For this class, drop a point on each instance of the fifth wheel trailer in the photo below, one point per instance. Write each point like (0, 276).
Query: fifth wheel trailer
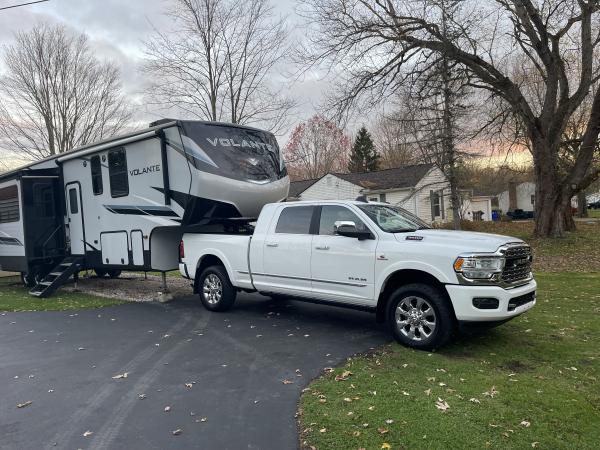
(121, 204)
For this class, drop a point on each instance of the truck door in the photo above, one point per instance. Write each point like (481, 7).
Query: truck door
(75, 219)
(287, 249)
(342, 267)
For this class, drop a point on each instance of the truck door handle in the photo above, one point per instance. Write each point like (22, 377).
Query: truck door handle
(272, 244)
(322, 247)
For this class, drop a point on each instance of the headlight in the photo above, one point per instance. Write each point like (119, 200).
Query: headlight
(479, 267)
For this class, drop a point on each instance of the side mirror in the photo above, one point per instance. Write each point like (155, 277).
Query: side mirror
(348, 229)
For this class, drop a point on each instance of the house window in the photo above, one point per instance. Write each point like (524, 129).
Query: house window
(382, 198)
(9, 204)
(533, 199)
(436, 204)
(96, 168)
(117, 173)
(295, 220)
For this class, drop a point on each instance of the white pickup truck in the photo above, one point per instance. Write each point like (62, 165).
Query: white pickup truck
(423, 282)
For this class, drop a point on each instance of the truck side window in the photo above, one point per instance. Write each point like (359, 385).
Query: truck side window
(332, 214)
(295, 220)
(96, 175)
(117, 173)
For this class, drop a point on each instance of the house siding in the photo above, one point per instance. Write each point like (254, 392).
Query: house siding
(416, 200)
(524, 193)
(331, 187)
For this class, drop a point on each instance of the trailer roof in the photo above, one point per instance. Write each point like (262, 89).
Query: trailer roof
(155, 126)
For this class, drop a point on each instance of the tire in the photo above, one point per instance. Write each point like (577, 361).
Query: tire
(420, 317)
(114, 273)
(215, 290)
(100, 273)
(28, 279)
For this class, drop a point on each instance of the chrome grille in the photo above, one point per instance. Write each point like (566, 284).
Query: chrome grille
(518, 263)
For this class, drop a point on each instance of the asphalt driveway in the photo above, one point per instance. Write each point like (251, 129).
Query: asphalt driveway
(224, 378)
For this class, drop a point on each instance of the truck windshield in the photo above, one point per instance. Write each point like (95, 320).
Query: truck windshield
(236, 152)
(391, 219)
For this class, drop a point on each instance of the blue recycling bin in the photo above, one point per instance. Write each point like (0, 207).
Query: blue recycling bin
(495, 216)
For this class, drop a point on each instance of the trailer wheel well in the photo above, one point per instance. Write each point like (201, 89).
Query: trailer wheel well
(401, 278)
(206, 261)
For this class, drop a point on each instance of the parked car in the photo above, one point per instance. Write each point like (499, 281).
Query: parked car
(594, 205)
(424, 282)
(519, 214)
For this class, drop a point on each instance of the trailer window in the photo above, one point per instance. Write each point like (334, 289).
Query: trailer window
(9, 204)
(96, 175)
(117, 173)
(295, 220)
(74, 205)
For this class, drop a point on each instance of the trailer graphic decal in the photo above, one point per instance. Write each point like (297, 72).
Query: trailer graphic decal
(160, 211)
(10, 241)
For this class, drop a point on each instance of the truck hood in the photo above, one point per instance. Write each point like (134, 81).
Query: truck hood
(463, 241)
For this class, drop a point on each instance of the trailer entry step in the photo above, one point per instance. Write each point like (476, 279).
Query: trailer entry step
(57, 277)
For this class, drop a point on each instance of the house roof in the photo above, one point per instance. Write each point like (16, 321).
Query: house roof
(397, 178)
(298, 187)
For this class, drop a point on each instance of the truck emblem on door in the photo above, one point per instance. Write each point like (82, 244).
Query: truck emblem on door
(357, 279)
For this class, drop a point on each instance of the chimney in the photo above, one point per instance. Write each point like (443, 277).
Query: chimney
(512, 196)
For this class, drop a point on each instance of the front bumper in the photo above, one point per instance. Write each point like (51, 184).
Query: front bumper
(462, 301)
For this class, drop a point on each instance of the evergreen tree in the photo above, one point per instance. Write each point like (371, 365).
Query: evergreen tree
(364, 156)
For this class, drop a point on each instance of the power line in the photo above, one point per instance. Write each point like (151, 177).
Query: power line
(23, 4)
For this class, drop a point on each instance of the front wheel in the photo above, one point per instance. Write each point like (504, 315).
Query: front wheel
(216, 291)
(420, 317)
(115, 273)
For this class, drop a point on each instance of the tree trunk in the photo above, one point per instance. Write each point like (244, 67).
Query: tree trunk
(553, 216)
(582, 204)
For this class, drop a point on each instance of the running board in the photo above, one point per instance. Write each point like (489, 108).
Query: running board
(57, 277)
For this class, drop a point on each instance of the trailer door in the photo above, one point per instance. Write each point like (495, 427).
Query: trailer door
(75, 219)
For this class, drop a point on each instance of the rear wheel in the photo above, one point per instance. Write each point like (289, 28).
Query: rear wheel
(420, 317)
(100, 273)
(114, 273)
(216, 291)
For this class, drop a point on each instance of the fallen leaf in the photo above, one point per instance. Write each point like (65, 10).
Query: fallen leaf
(356, 433)
(371, 408)
(386, 446)
(141, 396)
(427, 392)
(474, 400)
(287, 382)
(176, 432)
(347, 399)
(441, 405)
(204, 419)
(344, 376)
(323, 430)
(389, 421)
(188, 385)
(23, 405)
(534, 444)
(88, 433)
(121, 375)
(167, 408)
(525, 423)
(383, 430)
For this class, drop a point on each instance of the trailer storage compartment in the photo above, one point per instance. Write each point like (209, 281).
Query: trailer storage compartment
(115, 247)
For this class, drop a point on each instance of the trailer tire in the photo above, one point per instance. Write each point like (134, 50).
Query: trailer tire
(420, 316)
(215, 290)
(114, 273)
(28, 279)
(100, 273)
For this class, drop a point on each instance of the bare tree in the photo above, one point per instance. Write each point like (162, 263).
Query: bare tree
(219, 60)
(315, 148)
(393, 141)
(56, 95)
(376, 42)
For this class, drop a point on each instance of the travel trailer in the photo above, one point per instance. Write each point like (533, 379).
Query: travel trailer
(123, 203)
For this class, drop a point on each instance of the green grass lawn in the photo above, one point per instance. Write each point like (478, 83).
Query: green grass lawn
(14, 297)
(533, 382)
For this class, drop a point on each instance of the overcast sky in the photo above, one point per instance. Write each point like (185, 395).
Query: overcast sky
(117, 29)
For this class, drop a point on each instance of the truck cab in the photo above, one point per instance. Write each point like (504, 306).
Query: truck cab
(423, 282)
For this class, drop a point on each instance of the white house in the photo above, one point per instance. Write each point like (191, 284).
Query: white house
(518, 196)
(422, 189)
